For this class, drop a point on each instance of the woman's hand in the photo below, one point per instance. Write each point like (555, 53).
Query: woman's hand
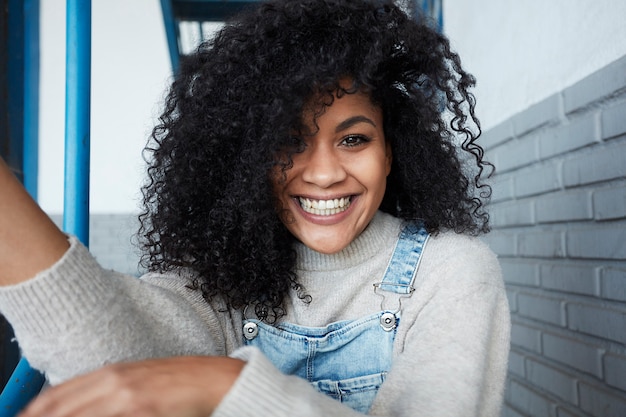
(169, 387)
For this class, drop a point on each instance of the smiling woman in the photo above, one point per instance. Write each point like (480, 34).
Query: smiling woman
(337, 181)
(313, 198)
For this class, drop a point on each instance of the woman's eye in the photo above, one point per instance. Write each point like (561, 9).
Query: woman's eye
(354, 140)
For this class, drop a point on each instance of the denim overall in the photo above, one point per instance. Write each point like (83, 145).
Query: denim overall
(346, 360)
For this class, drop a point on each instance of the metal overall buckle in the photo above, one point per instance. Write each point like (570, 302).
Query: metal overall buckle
(389, 319)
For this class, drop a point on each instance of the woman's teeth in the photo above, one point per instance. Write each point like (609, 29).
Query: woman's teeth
(324, 207)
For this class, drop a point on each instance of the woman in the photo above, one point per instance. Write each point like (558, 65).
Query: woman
(313, 187)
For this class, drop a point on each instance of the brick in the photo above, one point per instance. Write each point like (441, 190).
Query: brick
(613, 283)
(563, 206)
(515, 154)
(615, 370)
(601, 163)
(502, 243)
(537, 179)
(501, 188)
(57, 219)
(556, 382)
(562, 412)
(597, 321)
(516, 272)
(596, 86)
(110, 240)
(525, 337)
(574, 353)
(507, 385)
(512, 298)
(507, 411)
(577, 279)
(496, 135)
(529, 400)
(537, 115)
(610, 203)
(598, 242)
(516, 364)
(599, 401)
(577, 133)
(541, 244)
(544, 309)
(613, 121)
(512, 213)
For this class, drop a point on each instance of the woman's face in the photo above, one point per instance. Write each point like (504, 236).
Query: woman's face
(337, 183)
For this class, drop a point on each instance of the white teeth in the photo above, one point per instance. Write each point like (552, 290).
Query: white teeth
(324, 207)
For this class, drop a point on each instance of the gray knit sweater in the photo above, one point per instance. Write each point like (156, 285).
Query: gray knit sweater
(450, 352)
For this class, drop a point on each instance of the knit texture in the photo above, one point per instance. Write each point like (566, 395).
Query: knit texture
(450, 351)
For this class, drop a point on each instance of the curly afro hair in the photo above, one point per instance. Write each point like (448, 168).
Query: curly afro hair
(208, 202)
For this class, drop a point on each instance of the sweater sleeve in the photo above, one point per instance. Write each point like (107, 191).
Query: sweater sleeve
(451, 357)
(262, 390)
(76, 317)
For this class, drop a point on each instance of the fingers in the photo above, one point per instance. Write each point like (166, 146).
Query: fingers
(101, 393)
(171, 387)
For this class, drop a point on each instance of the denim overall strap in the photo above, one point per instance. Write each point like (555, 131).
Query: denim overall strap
(346, 360)
(402, 268)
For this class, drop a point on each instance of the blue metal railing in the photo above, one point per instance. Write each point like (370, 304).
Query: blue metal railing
(77, 120)
(199, 11)
(171, 32)
(30, 164)
(434, 10)
(26, 382)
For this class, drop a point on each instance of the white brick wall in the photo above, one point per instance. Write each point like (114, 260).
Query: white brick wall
(111, 239)
(559, 228)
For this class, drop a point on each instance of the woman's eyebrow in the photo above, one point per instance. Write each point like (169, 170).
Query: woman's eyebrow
(352, 121)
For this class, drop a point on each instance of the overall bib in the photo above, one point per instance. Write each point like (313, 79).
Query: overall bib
(346, 360)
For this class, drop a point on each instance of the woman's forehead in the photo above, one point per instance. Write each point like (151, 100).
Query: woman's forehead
(338, 107)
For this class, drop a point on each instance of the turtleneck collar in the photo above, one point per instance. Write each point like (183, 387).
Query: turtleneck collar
(382, 230)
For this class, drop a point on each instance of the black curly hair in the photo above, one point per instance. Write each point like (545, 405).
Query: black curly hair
(232, 108)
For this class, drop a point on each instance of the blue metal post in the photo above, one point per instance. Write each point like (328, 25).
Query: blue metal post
(14, 48)
(434, 10)
(31, 97)
(12, 97)
(25, 382)
(171, 32)
(24, 385)
(77, 119)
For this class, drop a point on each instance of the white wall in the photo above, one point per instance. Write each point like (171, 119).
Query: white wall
(519, 51)
(130, 71)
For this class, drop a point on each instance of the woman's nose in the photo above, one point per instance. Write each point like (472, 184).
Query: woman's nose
(323, 166)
